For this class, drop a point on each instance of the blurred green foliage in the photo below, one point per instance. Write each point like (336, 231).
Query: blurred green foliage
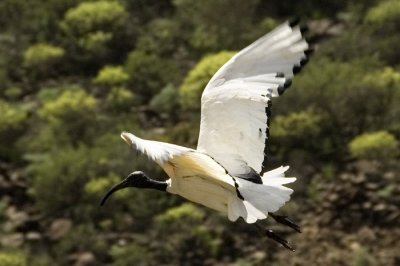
(74, 74)
(303, 125)
(89, 19)
(147, 71)
(120, 99)
(12, 125)
(42, 54)
(12, 259)
(68, 106)
(186, 213)
(131, 254)
(379, 145)
(112, 76)
(385, 11)
(191, 236)
(167, 100)
(208, 31)
(93, 31)
(11, 116)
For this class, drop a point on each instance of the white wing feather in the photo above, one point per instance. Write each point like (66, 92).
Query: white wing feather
(236, 102)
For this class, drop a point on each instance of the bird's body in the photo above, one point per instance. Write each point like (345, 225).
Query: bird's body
(227, 171)
(198, 177)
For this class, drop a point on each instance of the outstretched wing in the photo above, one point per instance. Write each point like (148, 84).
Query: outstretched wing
(235, 105)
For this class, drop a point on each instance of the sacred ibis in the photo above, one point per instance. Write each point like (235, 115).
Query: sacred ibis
(228, 170)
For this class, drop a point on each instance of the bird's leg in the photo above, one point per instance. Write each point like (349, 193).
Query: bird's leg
(282, 219)
(269, 233)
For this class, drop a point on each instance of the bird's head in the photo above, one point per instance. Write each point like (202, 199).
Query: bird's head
(134, 179)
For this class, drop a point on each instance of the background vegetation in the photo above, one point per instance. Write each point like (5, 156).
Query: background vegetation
(74, 74)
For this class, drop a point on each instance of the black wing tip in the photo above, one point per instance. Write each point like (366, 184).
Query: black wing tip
(287, 83)
(282, 88)
(303, 61)
(296, 69)
(280, 75)
(294, 21)
(298, 21)
(304, 28)
(309, 51)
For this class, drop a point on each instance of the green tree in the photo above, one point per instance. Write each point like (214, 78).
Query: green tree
(42, 59)
(149, 73)
(167, 100)
(13, 121)
(131, 254)
(94, 30)
(379, 145)
(12, 259)
(182, 229)
(208, 31)
(384, 12)
(111, 76)
(42, 53)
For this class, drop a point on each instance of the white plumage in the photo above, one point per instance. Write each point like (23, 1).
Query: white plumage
(227, 171)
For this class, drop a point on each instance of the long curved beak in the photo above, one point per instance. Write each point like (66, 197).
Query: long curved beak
(123, 184)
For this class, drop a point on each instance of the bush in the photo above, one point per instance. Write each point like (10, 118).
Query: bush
(301, 125)
(111, 76)
(162, 37)
(196, 80)
(384, 11)
(59, 177)
(184, 236)
(186, 213)
(384, 78)
(379, 145)
(90, 17)
(12, 125)
(296, 132)
(166, 101)
(149, 73)
(120, 99)
(207, 31)
(82, 236)
(95, 42)
(100, 185)
(71, 104)
(131, 254)
(97, 27)
(41, 54)
(11, 117)
(70, 116)
(12, 259)
(343, 91)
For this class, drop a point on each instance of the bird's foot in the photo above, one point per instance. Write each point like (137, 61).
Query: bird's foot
(278, 239)
(271, 234)
(282, 219)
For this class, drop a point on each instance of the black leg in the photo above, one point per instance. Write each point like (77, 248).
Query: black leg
(286, 221)
(269, 233)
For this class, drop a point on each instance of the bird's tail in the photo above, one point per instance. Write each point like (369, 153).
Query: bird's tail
(260, 199)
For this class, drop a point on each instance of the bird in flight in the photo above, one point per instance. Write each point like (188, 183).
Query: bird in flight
(228, 170)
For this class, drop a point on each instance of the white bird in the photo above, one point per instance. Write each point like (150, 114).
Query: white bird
(227, 171)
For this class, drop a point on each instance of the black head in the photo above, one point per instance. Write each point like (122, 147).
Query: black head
(135, 179)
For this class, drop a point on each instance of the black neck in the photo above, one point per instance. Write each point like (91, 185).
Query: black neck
(154, 184)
